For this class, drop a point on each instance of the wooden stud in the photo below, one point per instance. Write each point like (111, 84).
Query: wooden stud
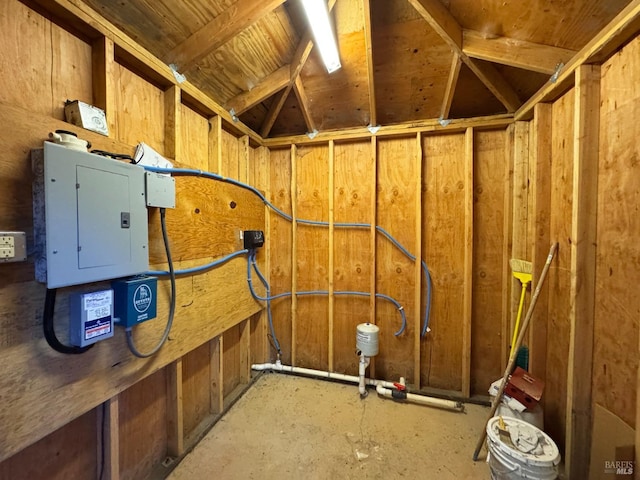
(173, 115)
(219, 31)
(400, 129)
(447, 27)
(215, 144)
(245, 351)
(540, 237)
(108, 429)
(583, 269)
(372, 239)
(456, 63)
(468, 263)
(366, 8)
(175, 417)
(216, 375)
(104, 79)
(294, 251)
(303, 100)
(507, 245)
(331, 250)
(269, 85)
(417, 302)
(515, 53)
(622, 28)
(520, 212)
(243, 159)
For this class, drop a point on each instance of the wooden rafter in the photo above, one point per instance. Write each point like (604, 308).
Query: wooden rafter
(301, 95)
(441, 20)
(271, 84)
(373, 117)
(274, 111)
(220, 30)
(299, 59)
(515, 53)
(456, 64)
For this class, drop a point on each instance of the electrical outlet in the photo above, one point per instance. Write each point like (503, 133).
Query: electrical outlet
(13, 247)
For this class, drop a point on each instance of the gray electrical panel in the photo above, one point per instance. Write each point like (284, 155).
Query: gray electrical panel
(90, 217)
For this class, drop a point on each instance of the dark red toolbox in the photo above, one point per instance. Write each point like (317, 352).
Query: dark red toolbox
(524, 388)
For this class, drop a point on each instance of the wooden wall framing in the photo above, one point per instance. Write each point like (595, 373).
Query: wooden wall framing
(132, 413)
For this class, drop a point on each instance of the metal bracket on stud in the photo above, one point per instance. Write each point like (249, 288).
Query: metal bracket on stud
(180, 78)
(556, 73)
(444, 121)
(373, 129)
(234, 117)
(313, 134)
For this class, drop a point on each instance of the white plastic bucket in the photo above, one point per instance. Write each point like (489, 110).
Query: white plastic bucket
(539, 461)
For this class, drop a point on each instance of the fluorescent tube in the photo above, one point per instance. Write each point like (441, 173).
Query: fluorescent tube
(318, 17)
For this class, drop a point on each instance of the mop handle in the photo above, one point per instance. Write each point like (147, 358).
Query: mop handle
(514, 349)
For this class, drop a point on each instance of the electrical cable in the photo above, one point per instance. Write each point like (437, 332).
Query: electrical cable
(172, 306)
(251, 261)
(274, 337)
(201, 268)
(49, 332)
(387, 235)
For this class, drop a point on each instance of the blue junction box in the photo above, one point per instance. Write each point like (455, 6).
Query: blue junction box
(134, 300)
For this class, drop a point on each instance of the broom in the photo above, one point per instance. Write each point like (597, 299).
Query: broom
(523, 271)
(512, 357)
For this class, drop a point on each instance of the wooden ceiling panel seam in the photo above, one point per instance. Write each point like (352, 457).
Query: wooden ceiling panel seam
(220, 30)
(443, 22)
(515, 53)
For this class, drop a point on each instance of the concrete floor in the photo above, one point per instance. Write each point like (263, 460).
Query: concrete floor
(291, 427)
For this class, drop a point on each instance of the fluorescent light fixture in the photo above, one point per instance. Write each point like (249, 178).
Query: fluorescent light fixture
(318, 17)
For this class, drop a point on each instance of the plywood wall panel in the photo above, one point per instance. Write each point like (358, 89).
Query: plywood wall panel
(42, 65)
(70, 452)
(396, 191)
(559, 277)
(488, 288)
(443, 249)
(140, 111)
(280, 251)
(231, 359)
(194, 135)
(354, 189)
(231, 149)
(195, 387)
(143, 428)
(617, 312)
(312, 256)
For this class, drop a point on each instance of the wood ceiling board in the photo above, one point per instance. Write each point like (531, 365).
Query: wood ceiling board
(219, 31)
(243, 62)
(565, 24)
(254, 117)
(389, 13)
(472, 98)
(340, 99)
(412, 65)
(348, 16)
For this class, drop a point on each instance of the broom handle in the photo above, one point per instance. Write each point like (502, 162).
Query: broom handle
(514, 349)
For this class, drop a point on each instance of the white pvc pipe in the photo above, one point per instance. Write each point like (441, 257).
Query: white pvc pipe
(383, 387)
(420, 399)
(364, 363)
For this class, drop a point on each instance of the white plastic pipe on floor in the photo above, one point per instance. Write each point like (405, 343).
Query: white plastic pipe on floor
(384, 388)
(362, 385)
